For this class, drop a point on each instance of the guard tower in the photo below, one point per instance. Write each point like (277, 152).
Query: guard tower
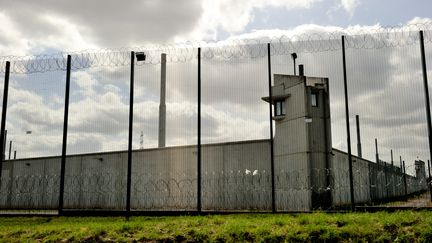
(302, 141)
(420, 169)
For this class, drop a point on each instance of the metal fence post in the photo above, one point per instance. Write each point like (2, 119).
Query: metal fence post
(385, 179)
(10, 149)
(4, 144)
(273, 193)
(426, 91)
(429, 170)
(129, 165)
(351, 180)
(65, 128)
(3, 118)
(199, 206)
(400, 159)
(430, 180)
(404, 177)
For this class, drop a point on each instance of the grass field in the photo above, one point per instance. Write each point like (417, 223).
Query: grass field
(406, 226)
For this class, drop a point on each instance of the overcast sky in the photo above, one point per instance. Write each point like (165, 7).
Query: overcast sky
(99, 96)
(34, 27)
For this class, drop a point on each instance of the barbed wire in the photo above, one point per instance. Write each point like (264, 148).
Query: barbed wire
(356, 38)
(229, 190)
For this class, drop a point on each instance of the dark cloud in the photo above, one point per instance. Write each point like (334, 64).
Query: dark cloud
(111, 23)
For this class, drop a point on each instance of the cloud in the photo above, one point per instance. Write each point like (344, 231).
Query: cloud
(81, 24)
(47, 26)
(384, 82)
(11, 40)
(86, 83)
(384, 87)
(234, 16)
(350, 5)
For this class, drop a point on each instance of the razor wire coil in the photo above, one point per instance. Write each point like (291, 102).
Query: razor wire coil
(380, 37)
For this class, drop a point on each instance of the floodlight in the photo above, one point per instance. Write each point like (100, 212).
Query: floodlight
(140, 56)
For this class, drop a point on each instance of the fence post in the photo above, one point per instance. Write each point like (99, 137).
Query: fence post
(10, 149)
(273, 193)
(65, 128)
(426, 90)
(400, 158)
(385, 179)
(199, 206)
(429, 168)
(351, 180)
(405, 182)
(430, 180)
(129, 165)
(3, 118)
(4, 143)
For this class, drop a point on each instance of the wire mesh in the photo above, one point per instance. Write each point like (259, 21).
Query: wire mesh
(235, 130)
(308, 42)
(96, 163)
(305, 134)
(386, 90)
(164, 163)
(428, 56)
(33, 142)
(3, 173)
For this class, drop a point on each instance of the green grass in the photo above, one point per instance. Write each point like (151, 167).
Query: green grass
(406, 226)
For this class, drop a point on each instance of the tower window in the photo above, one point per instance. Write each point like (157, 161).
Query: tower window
(314, 99)
(279, 107)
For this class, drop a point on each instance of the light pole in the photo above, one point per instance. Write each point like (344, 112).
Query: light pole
(140, 56)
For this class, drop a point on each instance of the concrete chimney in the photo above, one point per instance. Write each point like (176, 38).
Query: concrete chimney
(359, 148)
(376, 152)
(162, 106)
(301, 70)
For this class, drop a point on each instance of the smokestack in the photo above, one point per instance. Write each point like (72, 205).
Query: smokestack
(359, 149)
(400, 157)
(376, 151)
(294, 57)
(301, 70)
(10, 149)
(162, 106)
(391, 154)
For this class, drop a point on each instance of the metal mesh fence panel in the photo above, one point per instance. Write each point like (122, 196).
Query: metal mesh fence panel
(305, 110)
(428, 55)
(305, 172)
(236, 172)
(386, 90)
(164, 165)
(96, 165)
(2, 79)
(4, 173)
(33, 143)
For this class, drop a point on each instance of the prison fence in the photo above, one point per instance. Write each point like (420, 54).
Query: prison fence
(196, 128)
